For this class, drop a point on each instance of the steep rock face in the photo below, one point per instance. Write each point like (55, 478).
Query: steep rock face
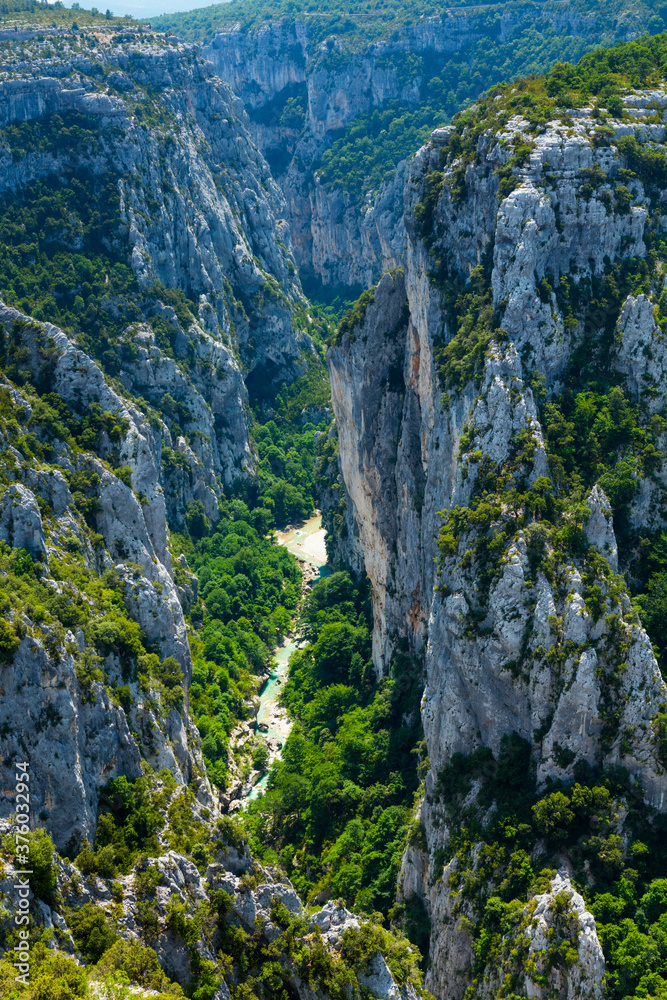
(555, 917)
(212, 393)
(80, 744)
(192, 207)
(353, 246)
(255, 66)
(509, 643)
(52, 704)
(398, 430)
(587, 974)
(208, 201)
(269, 64)
(264, 67)
(198, 208)
(368, 409)
(644, 369)
(21, 522)
(131, 529)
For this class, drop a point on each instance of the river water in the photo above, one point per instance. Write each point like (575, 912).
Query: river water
(307, 544)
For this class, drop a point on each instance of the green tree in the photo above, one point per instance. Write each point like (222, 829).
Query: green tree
(43, 880)
(59, 978)
(553, 815)
(91, 931)
(196, 520)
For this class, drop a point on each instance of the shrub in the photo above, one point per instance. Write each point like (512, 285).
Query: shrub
(139, 963)
(43, 880)
(359, 946)
(9, 641)
(260, 757)
(106, 862)
(91, 931)
(229, 832)
(354, 317)
(196, 520)
(117, 634)
(59, 978)
(654, 901)
(169, 674)
(553, 815)
(86, 860)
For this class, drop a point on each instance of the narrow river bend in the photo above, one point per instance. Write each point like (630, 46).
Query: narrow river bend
(307, 544)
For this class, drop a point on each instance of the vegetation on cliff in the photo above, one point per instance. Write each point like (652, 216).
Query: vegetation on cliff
(506, 843)
(357, 23)
(430, 87)
(506, 838)
(339, 805)
(40, 14)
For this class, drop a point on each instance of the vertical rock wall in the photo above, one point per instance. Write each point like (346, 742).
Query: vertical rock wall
(507, 646)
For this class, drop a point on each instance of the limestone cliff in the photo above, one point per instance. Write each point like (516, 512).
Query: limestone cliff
(331, 239)
(334, 75)
(197, 208)
(110, 436)
(80, 520)
(448, 457)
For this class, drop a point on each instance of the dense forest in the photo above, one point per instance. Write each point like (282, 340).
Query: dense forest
(361, 23)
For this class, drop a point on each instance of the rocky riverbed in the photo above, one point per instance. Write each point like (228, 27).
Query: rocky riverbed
(271, 722)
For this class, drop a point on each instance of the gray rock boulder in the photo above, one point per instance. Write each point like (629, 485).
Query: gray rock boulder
(599, 527)
(21, 522)
(561, 913)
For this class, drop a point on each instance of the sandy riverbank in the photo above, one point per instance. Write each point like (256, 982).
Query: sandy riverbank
(306, 541)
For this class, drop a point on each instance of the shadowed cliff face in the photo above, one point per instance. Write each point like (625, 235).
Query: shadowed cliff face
(197, 201)
(502, 583)
(332, 240)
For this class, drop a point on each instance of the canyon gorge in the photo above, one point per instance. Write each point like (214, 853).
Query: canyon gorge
(255, 266)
